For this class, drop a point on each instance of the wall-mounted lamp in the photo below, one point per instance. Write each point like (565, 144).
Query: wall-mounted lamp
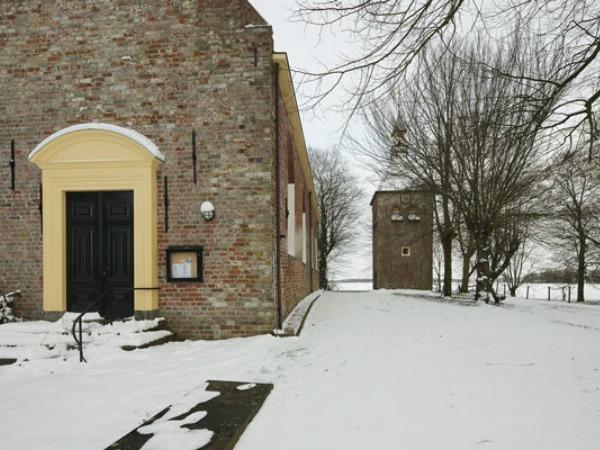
(207, 210)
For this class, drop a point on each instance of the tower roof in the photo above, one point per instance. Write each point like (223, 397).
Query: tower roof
(399, 125)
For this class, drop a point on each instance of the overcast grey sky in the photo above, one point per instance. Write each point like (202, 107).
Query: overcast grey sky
(305, 51)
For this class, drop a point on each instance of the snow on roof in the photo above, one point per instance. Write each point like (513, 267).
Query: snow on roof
(127, 132)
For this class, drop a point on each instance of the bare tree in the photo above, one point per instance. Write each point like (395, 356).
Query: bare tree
(390, 34)
(506, 250)
(471, 140)
(337, 194)
(576, 219)
(520, 267)
(500, 153)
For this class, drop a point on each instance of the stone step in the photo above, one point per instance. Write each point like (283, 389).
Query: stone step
(42, 340)
(160, 340)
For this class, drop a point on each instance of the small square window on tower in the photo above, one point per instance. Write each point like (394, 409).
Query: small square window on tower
(405, 251)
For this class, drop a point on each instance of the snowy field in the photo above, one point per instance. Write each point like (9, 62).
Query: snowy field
(540, 291)
(536, 290)
(375, 370)
(353, 285)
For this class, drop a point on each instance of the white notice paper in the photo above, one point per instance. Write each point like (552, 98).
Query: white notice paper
(183, 270)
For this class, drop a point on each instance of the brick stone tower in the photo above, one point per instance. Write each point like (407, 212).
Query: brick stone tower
(402, 239)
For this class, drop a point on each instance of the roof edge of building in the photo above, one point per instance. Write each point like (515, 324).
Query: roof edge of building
(392, 191)
(288, 95)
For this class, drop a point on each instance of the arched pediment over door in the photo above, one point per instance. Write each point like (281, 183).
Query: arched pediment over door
(98, 157)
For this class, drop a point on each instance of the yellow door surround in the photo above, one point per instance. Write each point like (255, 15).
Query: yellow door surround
(98, 157)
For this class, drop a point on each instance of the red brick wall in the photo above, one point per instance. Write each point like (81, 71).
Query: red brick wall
(162, 68)
(21, 240)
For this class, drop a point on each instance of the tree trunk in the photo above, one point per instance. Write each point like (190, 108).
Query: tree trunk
(448, 228)
(483, 270)
(466, 269)
(513, 291)
(323, 244)
(447, 249)
(478, 273)
(581, 269)
(323, 271)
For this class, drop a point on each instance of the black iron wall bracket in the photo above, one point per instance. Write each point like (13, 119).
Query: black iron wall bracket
(166, 202)
(12, 163)
(41, 206)
(194, 156)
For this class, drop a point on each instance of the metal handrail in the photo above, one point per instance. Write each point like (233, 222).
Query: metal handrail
(12, 294)
(79, 319)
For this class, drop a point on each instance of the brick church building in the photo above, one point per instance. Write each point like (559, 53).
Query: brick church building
(154, 154)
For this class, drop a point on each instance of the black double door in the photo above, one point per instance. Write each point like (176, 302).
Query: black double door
(100, 252)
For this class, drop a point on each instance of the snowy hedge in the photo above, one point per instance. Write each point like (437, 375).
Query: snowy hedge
(6, 313)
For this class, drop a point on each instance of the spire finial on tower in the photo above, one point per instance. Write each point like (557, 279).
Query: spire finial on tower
(399, 144)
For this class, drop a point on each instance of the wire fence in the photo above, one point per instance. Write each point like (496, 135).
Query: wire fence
(555, 291)
(543, 291)
(537, 291)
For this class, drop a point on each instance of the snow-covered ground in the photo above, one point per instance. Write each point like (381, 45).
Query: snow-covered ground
(376, 370)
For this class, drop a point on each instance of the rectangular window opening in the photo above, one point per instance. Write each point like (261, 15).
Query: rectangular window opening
(304, 238)
(291, 223)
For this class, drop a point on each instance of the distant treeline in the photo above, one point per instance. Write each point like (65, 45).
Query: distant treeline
(561, 276)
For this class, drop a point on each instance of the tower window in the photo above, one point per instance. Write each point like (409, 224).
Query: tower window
(405, 251)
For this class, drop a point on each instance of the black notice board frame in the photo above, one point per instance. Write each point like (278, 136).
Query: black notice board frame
(172, 252)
